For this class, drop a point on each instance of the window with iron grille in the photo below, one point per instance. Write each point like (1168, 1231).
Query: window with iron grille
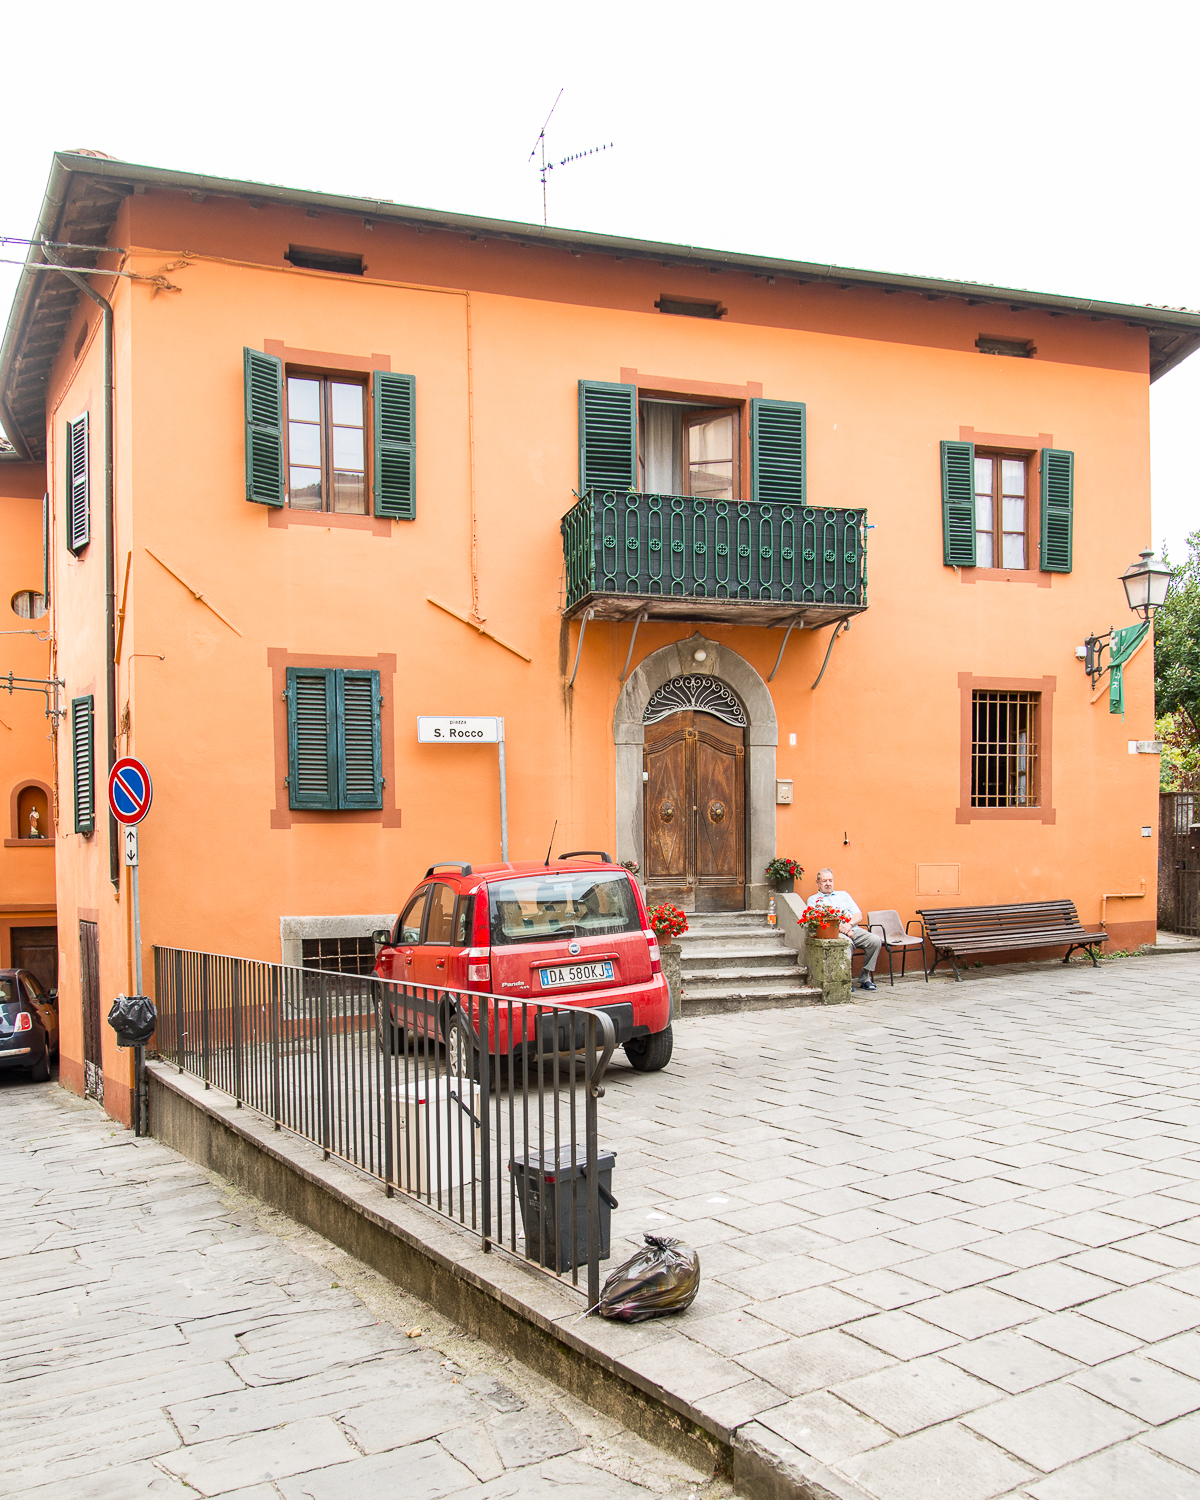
(339, 955)
(1004, 749)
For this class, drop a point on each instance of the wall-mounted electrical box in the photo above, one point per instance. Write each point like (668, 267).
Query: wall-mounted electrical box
(783, 793)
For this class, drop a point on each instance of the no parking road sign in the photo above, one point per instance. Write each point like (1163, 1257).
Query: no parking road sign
(130, 790)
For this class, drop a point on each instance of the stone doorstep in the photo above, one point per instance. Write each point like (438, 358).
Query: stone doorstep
(777, 976)
(722, 1002)
(736, 953)
(494, 1294)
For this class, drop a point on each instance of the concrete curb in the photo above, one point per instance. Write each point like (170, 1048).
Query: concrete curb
(493, 1295)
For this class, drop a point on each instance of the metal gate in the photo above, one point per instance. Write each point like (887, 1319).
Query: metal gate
(1179, 862)
(89, 974)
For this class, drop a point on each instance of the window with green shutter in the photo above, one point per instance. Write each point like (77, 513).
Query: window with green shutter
(334, 745)
(607, 436)
(958, 504)
(1058, 508)
(83, 761)
(264, 427)
(778, 467)
(395, 398)
(79, 508)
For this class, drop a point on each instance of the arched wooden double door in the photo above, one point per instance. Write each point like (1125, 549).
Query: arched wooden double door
(694, 797)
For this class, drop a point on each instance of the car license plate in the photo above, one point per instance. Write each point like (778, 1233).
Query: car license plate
(576, 974)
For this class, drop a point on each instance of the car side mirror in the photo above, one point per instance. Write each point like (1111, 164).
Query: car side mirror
(52, 996)
(382, 938)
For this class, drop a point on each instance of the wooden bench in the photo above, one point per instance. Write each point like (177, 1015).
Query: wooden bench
(956, 930)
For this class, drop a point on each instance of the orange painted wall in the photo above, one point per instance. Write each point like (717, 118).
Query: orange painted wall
(26, 868)
(877, 753)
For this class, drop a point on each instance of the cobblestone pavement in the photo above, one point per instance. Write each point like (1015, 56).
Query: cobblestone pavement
(950, 1235)
(166, 1336)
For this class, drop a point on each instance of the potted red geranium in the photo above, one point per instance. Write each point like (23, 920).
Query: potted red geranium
(667, 921)
(824, 921)
(783, 873)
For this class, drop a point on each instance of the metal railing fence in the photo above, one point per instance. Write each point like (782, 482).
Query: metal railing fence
(481, 1107)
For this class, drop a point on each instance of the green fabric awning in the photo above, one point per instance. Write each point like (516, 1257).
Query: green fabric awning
(1122, 646)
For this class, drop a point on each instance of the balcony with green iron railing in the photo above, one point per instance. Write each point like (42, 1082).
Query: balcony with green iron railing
(681, 557)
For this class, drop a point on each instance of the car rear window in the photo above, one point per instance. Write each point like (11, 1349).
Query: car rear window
(10, 1001)
(562, 904)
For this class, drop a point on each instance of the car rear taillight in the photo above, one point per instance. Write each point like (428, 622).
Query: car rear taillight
(655, 953)
(24, 1022)
(479, 970)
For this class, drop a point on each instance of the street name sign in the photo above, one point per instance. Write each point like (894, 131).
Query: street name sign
(130, 790)
(434, 730)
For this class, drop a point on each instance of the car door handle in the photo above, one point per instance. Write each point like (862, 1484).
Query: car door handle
(441, 963)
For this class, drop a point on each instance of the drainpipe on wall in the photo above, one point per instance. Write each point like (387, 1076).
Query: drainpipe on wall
(110, 569)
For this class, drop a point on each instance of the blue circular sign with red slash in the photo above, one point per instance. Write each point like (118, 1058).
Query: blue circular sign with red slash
(130, 790)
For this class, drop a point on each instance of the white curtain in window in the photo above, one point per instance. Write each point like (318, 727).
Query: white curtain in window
(662, 439)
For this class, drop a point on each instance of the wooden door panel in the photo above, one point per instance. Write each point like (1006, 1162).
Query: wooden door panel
(668, 811)
(718, 807)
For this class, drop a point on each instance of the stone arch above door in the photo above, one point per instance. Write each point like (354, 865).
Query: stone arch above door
(762, 736)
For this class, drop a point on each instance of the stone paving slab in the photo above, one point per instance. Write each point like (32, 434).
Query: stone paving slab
(256, 1361)
(962, 1223)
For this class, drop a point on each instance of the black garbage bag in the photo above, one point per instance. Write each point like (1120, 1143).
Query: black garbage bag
(133, 1018)
(664, 1277)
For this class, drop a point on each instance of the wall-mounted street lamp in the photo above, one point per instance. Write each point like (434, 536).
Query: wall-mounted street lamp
(1146, 583)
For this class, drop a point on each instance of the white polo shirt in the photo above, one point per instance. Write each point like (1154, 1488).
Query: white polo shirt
(843, 900)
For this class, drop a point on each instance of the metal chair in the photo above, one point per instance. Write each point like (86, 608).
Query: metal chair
(897, 938)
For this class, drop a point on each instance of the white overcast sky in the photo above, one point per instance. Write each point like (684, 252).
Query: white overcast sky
(1048, 146)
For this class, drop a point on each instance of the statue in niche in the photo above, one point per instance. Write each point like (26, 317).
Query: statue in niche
(34, 831)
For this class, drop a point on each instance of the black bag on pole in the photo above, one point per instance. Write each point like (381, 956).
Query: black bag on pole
(133, 1018)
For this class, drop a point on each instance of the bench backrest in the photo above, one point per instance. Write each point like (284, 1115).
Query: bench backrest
(974, 921)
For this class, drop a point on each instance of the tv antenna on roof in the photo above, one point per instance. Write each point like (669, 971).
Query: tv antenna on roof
(548, 166)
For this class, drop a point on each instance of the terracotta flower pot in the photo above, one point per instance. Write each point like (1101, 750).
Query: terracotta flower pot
(828, 930)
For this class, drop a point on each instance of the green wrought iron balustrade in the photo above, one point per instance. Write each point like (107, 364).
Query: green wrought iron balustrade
(684, 547)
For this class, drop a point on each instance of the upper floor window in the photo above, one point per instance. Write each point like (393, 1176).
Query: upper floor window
(685, 450)
(326, 427)
(310, 449)
(1001, 513)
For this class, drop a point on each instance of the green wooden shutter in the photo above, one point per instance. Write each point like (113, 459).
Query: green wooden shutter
(607, 436)
(79, 506)
(395, 402)
(958, 504)
(264, 427)
(312, 738)
(778, 467)
(83, 760)
(1058, 509)
(360, 776)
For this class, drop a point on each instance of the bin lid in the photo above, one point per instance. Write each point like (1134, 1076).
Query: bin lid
(550, 1168)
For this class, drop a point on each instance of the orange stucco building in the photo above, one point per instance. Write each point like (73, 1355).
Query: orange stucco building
(344, 438)
(28, 938)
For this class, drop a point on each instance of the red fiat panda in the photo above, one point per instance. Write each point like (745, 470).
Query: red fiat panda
(574, 932)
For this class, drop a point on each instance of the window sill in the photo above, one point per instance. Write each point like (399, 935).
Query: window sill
(1005, 815)
(1006, 575)
(283, 516)
(29, 843)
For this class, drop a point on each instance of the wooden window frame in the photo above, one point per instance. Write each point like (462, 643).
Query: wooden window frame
(969, 685)
(1012, 443)
(331, 364)
(737, 412)
(327, 379)
(998, 455)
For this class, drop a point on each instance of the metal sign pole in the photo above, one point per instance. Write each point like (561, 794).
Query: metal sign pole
(503, 798)
(139, 1053)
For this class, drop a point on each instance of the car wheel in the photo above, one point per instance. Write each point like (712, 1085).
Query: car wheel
(462, 1051)
(650, 1053)
(40, 1072)
(388, 1033)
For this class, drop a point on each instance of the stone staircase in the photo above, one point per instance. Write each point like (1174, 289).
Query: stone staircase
(733, 961)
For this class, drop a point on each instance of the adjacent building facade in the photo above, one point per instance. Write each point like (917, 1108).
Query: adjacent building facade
(751, 557)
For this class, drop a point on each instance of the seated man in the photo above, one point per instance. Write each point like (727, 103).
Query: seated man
(870, 942)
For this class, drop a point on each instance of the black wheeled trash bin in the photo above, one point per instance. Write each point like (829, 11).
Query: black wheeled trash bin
(543, 1189)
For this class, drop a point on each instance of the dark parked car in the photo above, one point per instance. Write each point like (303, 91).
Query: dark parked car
(570, 933)
(28, 1024)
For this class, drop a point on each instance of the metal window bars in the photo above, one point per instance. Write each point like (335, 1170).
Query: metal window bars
(480, 1107)
(1004, 749)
